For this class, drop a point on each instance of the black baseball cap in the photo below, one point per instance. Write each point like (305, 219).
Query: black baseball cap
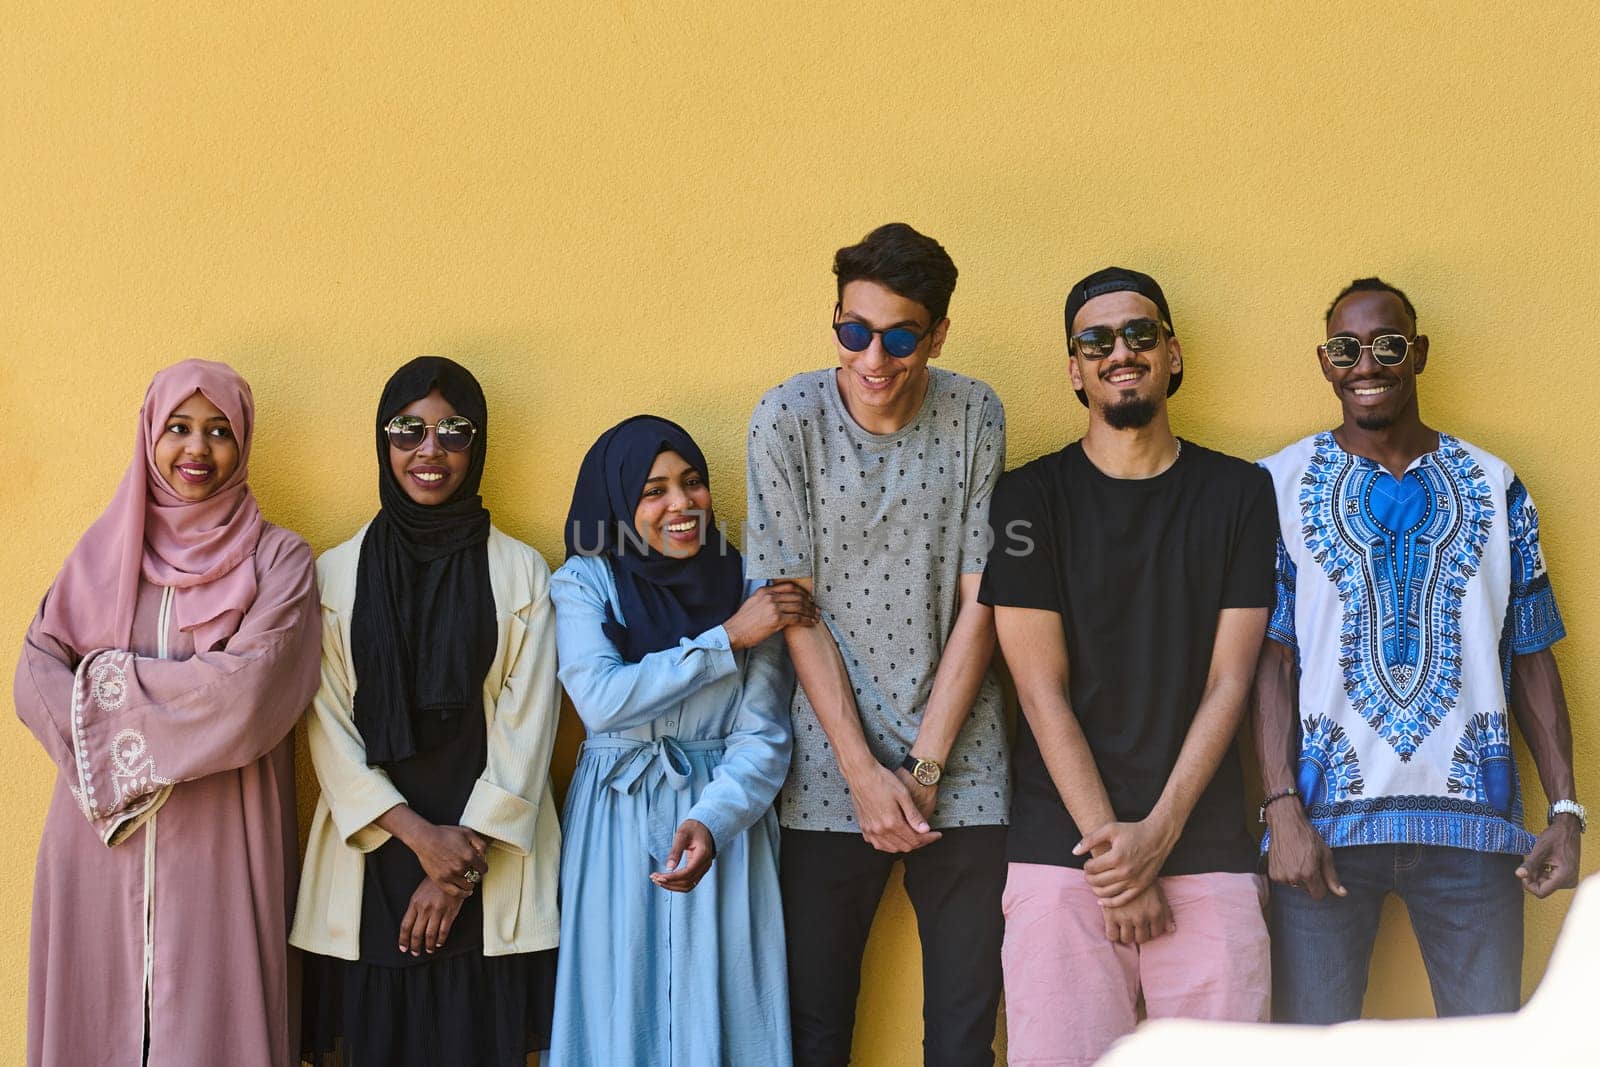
(1119, 280)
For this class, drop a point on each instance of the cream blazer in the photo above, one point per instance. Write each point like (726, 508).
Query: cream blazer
(510, 804)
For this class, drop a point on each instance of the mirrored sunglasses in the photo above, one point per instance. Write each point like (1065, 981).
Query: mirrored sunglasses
(898, 341)
(454, 432)
(1389, 349)
(1097, 342)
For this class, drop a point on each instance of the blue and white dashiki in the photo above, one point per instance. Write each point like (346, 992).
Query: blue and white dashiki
(1405, 602)
(697, 731)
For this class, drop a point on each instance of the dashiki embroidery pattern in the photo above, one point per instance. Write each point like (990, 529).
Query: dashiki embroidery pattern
(1405, 601)
(1403, 551)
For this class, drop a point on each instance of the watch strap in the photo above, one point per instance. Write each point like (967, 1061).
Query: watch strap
(1571, 807)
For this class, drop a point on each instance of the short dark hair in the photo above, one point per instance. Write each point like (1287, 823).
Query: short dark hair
(1371, 285)
(904, 261)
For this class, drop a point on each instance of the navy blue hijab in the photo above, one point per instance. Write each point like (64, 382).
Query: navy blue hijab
(664, 598)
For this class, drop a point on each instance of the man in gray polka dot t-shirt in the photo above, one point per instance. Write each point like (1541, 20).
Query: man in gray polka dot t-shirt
(869, 483)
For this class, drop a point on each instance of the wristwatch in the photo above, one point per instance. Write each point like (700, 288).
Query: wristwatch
(925, 771)
(1571, 807)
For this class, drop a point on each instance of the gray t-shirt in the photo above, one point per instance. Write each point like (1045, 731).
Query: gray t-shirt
(884, 524)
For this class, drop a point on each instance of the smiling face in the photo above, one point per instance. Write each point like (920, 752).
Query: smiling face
(1125, 388)
(1375, 397)
(430, 475)
(882, 392)
(196, 452)
(674, 508)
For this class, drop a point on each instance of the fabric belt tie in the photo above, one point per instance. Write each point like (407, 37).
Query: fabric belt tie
(649, 767)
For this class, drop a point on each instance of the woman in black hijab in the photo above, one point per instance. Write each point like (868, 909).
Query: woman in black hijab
(429, 891)
(671, 925)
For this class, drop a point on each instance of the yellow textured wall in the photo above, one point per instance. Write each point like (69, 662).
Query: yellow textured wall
(608, 208)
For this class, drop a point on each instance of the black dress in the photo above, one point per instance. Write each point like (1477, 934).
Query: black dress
(456, 1006)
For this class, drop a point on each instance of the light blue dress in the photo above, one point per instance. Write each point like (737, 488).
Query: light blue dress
(648, 976)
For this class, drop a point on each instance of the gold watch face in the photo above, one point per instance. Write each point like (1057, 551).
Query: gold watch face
(927, 772)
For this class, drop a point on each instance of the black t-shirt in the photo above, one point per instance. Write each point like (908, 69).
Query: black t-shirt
(1138, 569)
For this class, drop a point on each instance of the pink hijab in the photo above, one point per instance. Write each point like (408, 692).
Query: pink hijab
(201, 548)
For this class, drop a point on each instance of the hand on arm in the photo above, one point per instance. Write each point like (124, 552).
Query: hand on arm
(1540, 707)
(428, 918)
(962, 666)
(1134, 851)
(608, 692)
(888, 817)
(1143, 918)
(445, 852)
(770, 609)
(1297, 855)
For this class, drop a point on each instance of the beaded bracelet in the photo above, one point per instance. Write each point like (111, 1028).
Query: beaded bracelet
(1261, 813)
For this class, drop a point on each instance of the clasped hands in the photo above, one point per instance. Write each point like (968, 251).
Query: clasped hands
(1124, 859)
(893, 808)
(447, 854)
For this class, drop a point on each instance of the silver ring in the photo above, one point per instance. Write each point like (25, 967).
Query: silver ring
(473, 876)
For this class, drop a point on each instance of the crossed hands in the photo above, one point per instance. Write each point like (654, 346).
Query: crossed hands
(447, 854)
(892, 809)
(1125, 858)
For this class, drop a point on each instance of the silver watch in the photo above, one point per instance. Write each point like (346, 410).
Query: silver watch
(1571, 807)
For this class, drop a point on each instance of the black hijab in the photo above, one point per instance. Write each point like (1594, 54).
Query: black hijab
(663, 597)
(423, 633)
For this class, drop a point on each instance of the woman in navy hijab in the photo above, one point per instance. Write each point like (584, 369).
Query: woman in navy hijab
(671, 920)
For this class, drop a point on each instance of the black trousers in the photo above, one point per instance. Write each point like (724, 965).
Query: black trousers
(832, 883)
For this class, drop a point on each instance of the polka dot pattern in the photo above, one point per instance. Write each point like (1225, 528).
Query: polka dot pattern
(885, 525)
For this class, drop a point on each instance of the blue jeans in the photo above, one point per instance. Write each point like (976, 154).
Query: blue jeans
(1465, 908)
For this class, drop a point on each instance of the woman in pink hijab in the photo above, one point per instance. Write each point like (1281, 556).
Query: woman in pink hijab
(164, 674)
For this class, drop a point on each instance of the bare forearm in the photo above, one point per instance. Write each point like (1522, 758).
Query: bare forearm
(1540, 706)
(1235, 654)
(402, 822)
(1070, 762)
(820, 670)
(1273, 717)
(1216, 724)
(962, 667)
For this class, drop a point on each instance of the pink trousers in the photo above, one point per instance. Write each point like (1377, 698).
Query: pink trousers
(1071, 992)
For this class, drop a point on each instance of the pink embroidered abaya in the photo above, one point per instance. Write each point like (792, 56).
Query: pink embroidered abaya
(164, 675)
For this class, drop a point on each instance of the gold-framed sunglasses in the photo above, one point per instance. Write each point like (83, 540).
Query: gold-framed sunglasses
(1389, 349)
(453, 432)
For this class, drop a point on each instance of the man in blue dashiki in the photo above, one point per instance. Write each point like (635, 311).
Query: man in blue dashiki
(1414, 607)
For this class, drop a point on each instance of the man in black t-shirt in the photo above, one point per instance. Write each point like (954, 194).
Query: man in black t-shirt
(1131, 577)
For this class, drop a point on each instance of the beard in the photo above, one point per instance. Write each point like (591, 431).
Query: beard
(1374, 421)
(1130, 413)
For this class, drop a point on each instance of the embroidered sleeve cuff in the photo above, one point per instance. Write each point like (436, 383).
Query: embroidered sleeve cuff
(116, 830)
(503, 815)
(1281, 634)
(1536, 622)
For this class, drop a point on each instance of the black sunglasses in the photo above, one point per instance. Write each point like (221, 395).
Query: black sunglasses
(1389, 349)
(1097, 342)
(453, 432)
(898, 341)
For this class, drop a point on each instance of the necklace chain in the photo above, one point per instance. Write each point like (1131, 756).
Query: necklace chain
(1178, 452)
